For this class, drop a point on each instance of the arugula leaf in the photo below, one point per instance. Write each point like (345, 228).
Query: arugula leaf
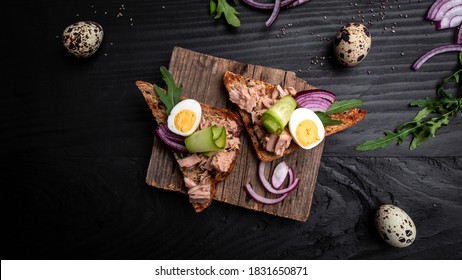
(213, 7)
(421, 128)
(420, 137)
(381, 142)
(337, 107)
(172, 97)
(422, 114)
(223, 7)
(326, 120)
(343, 106)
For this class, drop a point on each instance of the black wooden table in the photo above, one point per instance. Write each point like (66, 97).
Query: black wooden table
(76, 136)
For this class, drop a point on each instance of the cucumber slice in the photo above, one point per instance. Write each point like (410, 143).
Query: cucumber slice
(221, 140)
(212, 138)
(277, 117)
(217, 131)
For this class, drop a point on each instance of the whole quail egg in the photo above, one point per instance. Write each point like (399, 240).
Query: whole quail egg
(83, 38)
(306, 128)
(395, 226)
(185, 117)
(352, 43)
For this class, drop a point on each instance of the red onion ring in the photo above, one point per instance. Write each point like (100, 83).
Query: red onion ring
(315, 100)
(448, 48)
(434, 9)
(258, 198)
(314, 104)
(266, 6)
(291, 176)
(444, 8)
(275, 7)
(274, 13)
(168, 139)
(170, 135)
(297, 3)
(318, 93)
(269, 187)
(279, 174)
(452, 18)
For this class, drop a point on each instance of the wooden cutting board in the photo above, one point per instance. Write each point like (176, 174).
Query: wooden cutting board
(201, 76)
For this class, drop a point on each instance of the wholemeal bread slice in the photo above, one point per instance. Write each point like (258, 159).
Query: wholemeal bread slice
(210, 116)
(233, 81)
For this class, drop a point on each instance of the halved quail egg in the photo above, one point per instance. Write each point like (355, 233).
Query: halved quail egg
(306, 128)
(185, 117)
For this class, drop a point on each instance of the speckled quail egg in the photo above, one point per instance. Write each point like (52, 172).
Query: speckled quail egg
(395, 226)
(306, 128)
(83, 38)
(185, 117)
(352, 43)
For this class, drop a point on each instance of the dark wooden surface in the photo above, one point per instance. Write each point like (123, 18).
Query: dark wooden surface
(201, 76)
(76, 136)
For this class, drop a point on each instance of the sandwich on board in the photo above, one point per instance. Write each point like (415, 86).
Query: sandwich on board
(254, 97)
(208, 154)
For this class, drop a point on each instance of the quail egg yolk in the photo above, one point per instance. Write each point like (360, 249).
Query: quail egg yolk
(184, 120)
(307, 132)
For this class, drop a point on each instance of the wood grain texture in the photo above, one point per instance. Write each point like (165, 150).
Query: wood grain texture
(76, 140)
(201, 76)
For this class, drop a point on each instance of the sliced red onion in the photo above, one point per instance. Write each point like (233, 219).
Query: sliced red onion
(311, 97)
(258, 198)
(275, 7)
(291, 176)
(274, 14)
(171, 144)
(456, 20)
(459, 35)
(297, 3)
(279, 174)
(444, 8)
(170, 135)
(318, 93)
(267, 185)
(267, 6)
(433, 52)
(312, 102)
(452, 18)
(434, 9)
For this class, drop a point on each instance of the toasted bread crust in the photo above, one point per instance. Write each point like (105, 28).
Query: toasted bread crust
(230, 79)
(348, 118)
(158, 109)
(159, 112)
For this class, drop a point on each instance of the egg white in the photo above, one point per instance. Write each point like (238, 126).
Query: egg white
(300, 115)
(187, 104)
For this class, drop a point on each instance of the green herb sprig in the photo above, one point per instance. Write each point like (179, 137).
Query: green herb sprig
(172, 97)
(219, 7)
(435, 113)
(338, 107)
